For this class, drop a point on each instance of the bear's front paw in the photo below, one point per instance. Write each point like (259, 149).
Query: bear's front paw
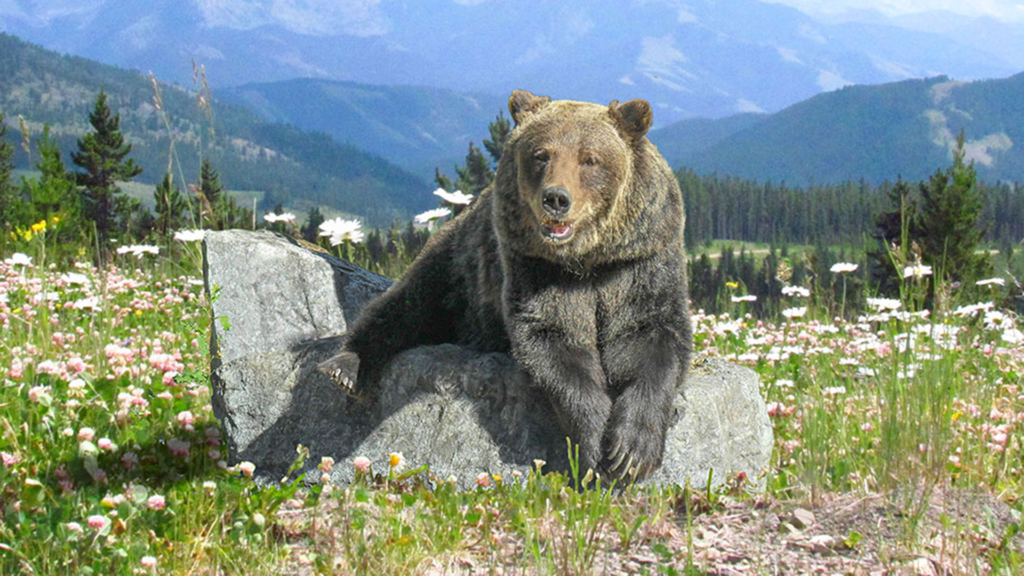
(342, 369)
(634, 447)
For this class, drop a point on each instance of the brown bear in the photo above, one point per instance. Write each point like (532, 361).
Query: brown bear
(573, 261)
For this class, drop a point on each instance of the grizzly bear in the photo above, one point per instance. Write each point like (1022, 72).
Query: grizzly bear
(573, 261)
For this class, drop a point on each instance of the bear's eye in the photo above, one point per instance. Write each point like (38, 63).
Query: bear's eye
(541, 155)
(590, 161)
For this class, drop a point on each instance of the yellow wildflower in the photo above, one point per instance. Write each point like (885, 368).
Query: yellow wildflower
(39, 226)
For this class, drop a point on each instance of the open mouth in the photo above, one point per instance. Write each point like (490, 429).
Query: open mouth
(557, 231)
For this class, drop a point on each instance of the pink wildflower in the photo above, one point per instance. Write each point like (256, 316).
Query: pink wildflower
(37, 394)
(156, 502)
(49, 367)
(247, 468)
(86, 434)
(16, 369)
(326, 464)
(148, 562)
(76, 364)
(105, 444)
(96, 521)
(130, 460)
(186, 419)
(483, 480)
(179, 447)
(9, 459)
(213, 436)
(362, 464)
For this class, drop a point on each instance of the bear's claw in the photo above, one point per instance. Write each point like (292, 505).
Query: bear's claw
(343, 369)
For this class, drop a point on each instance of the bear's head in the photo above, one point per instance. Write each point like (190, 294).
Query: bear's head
(567, 178)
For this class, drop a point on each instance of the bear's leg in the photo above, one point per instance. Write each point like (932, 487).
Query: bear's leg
(421, 309)
(571, 377)
(644, 371)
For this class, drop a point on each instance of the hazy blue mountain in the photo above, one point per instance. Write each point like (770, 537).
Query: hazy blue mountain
(690, 58)
(680, 141)
(417, 128)
(874, 132)
(297, 168)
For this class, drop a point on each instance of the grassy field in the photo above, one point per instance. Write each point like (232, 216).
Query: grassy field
(897, 435)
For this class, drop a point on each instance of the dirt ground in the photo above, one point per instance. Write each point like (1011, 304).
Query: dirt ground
(949, 532)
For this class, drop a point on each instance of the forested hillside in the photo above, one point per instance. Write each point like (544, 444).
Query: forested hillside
(288, 165)
(842, 214)
(871, 132)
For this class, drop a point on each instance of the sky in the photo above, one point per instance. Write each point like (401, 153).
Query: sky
(1009, 10)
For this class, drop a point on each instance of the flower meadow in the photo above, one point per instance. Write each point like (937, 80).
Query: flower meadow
(112, 461)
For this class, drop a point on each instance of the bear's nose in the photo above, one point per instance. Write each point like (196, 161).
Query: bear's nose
(556, 201)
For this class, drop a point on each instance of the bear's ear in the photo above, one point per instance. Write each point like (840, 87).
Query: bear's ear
(633, 117)
(521, 103)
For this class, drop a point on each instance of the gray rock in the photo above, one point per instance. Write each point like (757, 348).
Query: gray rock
(459, 411)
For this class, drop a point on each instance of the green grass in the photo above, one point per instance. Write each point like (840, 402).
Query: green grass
(112, 458)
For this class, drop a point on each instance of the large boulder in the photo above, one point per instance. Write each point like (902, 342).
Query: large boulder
(460, 411)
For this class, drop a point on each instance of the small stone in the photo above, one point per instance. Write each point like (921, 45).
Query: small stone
(822, 544)
(922, 567)
(802, 518)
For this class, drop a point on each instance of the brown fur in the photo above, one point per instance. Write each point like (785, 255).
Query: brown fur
(598, 318)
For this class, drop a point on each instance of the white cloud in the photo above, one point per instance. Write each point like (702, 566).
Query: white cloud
(1001, 9)
(351, 17)
(744, 105)
(829, 81)
(686, 17)
(660, 57)
(788, 54)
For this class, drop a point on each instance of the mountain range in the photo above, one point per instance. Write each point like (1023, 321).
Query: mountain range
(415, 127)
(875, 133)
(278, 161)
(690, 58)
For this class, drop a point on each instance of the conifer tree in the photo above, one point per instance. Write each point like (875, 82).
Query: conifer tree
(209, 183)
(895, 230)
(311, 229)
(170, 206)
(476, 175)
(499, 130)
(102, 155)
(53, 194)
(443, 182)
(949, 222)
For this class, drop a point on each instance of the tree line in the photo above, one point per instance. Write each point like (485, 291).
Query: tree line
(727, 207)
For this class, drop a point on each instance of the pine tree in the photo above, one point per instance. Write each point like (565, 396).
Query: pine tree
(8, 196)
(499, 130)
(895, 230)
(949, 220)
(54, 194)
(170, 206)
(210, 194)
(311, 229)
(443, 182)
(102, 155)
(476, 175)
